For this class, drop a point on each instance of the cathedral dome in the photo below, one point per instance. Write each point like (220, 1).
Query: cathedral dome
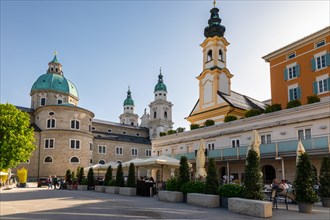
(54, 80)
(129, 100)
(160, 85)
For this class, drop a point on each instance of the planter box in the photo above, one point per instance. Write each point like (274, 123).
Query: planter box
(99, 188)
(305, 207)
(205, 200)
(112, 189)
(170, 196)
(127, 191)
(251, 207)
(82, 187)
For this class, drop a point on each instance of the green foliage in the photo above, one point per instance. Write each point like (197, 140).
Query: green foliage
(293, 103)
(169, 132)
(252, 112)
(84, 181)
(72, 175)
(253, 183)
(112, 182)
(325, 177)
(162, 134)
(16, 136)
(77, 172)
(81, 175)
(180, 129)
(171, 184)
(120, 176)
(312, 99)
(68, 176)
(212, 180)
(273, 108)
(303, 181)
(108, 176)
(184, 175)
(90, 178)
(208, 122)
(131, 176)
(229, 118)
(194, 126)
(193, 187)
(230, 190)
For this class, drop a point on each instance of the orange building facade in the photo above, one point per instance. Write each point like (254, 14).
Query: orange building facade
(301, 69)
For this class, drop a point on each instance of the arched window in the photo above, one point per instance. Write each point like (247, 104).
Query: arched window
(74, 160)
(48, 159)
(51, 123)
(165, 114)
(155, 114)
(119, 162)
(101, 162)
(269, 174)
(209, 56)
(220, 55)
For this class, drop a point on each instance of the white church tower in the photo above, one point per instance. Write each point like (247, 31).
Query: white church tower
(160, 119)
(128, 117)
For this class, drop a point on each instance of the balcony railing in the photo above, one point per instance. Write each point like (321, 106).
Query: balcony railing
(279, 148)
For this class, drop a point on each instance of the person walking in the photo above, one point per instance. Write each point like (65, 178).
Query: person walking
(55, 181)
(49, 181)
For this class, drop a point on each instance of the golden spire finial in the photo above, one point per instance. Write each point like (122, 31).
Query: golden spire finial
(55, 52)
(214, 2)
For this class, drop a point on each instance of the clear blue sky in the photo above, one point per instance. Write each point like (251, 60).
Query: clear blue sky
(104, 46)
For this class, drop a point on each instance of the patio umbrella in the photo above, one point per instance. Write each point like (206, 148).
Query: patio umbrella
(300, 150)
(200, 161)
(3, 173)
(255, 143)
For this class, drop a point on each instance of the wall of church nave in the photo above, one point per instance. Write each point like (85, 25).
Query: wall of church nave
(119, 129)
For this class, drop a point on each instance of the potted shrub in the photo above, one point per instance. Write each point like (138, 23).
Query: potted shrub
(303, 184)
(130, 189)
(212, 180)
(325, 181)
(170, 194)
(228, 191)
(83, 184)
(90, 179)
(193, 187)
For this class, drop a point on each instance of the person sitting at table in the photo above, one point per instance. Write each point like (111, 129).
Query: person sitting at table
(280, 188)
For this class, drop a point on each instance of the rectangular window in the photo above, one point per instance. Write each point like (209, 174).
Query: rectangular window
(91, 146)
(148, 153)
(102, 149)
(51, 123)
(304, 133)
(266, 139)
(75, 124)
(291, 55)
(323, 85)
(292, 72)
(119, 151)
(49, 143)
(210, 146)
(42, 101)
(320, 62)
(235, 143)
(59, 101)
(75, 144)
(134, 151)
(320, 44)
(294, 93)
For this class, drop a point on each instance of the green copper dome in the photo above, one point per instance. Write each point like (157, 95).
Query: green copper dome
(160, 85)
(56, 83)
(129, 100)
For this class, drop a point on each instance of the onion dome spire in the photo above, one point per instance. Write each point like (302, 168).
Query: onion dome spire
(160, 85)
(214, 28)
(129, 100)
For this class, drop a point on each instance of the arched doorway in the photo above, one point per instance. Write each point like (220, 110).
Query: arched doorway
(269, 174)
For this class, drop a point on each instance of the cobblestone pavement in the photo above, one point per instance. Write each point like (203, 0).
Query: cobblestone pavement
(42, 203)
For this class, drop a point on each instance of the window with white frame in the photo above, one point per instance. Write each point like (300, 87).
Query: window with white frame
(322, 84)
(291, 55)
(305, 133)
(74, 160)
(210, 146)
(320, 61)
(51, 123)
(119, 150)
(48, 159)
(320, 44)
(148, 153)
(49, 143)
(59, 101)
(291, 71)
(75, 124)
(266, 138)
(101, 162)
(102, 149)
(294, 92)
(235, 143)
(74, 144)
(134, 151)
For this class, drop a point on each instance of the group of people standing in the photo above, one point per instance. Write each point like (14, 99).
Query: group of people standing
(52, 181)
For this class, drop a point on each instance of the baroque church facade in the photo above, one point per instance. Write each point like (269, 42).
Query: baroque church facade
(68, 136)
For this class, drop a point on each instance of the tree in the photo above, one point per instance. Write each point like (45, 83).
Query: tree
(108, 176)
(184, 175)
(90, 179)
(120, 176)
(16, 136)
(68, 176)
(131, 176)
(253, 177)
(194, 126)
(304, 181)
(293, 104)
(325, 177)
(208, 122)
(77, 173)
(180, 129)
(273, 108)
(229, 118)
(312, 99)
(252, 112)
(212, 180)
(81, 175)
